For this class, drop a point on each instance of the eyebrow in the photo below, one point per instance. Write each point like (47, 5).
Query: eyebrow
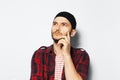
(61, 22)
(54, 22)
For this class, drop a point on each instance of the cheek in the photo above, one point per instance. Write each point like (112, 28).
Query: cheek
(53, 29)
(65, 30)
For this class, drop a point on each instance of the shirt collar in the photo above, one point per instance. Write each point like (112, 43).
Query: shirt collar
(50, 50)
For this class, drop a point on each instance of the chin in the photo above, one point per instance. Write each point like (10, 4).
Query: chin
(56, 39)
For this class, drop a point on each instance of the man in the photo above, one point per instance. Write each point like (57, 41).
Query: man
(60, 61)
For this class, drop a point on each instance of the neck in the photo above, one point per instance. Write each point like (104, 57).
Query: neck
(57, 50)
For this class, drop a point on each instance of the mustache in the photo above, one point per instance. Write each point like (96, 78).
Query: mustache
(57, 32)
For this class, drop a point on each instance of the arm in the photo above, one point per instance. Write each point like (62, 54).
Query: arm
(80, 66)
(36, 66)
(33, 67)
(70, 71)
(80, 69)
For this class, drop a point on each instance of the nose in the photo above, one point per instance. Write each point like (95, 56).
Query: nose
(58, 27)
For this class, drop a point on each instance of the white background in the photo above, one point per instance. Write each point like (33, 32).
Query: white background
(25, 25)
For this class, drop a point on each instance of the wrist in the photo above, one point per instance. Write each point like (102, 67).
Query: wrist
(66, 54)
(67, 57)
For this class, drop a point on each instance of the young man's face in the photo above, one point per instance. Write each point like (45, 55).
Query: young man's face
(61, 26)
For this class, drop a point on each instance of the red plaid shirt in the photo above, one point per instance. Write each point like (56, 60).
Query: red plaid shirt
(43, 63)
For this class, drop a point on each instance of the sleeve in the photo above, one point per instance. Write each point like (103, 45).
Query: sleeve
(33, 67)
(83, 64)
(36, 66)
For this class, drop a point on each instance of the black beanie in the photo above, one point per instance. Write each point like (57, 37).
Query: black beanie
(69, 17)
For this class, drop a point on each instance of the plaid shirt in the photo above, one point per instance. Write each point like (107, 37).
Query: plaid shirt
(43, 63)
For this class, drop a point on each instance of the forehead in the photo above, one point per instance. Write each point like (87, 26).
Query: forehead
(61, 19)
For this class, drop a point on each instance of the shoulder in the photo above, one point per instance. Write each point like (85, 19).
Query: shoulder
(80, 56)
(41, 50)
(44, 48)
(80, 52)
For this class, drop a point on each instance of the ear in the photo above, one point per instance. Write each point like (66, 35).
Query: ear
(73, 32)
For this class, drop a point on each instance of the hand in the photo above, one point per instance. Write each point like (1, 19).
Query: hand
(64, 44)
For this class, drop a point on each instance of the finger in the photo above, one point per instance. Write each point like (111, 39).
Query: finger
(61, 42)
(68, 36)
(63, 37)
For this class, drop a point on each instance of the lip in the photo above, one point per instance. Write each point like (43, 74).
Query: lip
(57, 33)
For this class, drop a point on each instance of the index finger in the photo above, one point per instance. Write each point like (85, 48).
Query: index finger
(68, 36)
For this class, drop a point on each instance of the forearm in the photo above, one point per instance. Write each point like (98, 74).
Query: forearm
(70, 71)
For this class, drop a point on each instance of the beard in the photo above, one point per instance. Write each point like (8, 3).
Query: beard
(55, 40)
(58, 33)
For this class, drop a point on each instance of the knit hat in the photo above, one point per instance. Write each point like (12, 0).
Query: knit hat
(69, 17)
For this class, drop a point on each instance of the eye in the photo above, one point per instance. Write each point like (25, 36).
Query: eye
(64, 24)
(54, 23)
